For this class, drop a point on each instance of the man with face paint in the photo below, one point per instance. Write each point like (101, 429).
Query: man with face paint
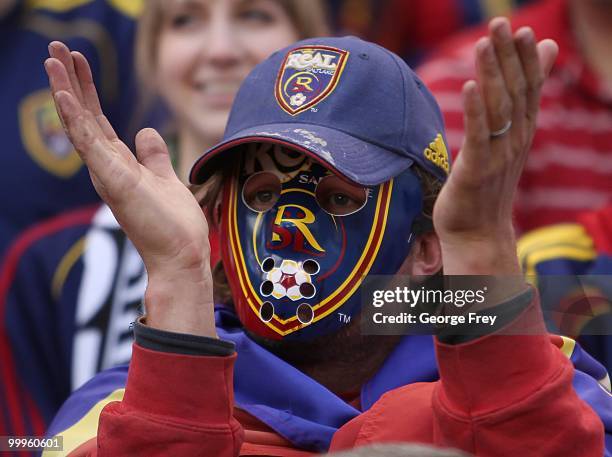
(317, 185)
(302, 234)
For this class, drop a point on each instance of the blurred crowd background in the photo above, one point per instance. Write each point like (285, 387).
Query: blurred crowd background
(69, 281)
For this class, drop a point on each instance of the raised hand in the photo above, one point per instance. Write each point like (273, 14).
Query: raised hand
(473, 213)
(157, 212)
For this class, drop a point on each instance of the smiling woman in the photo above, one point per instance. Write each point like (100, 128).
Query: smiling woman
(195, 54)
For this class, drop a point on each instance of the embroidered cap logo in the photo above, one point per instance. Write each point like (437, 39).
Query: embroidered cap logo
(307, 76)
(437, 154)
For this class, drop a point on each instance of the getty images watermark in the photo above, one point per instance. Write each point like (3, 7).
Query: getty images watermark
(433, 299)
(480, 305)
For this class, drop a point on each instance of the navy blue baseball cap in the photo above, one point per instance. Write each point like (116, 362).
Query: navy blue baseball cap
(352, 104)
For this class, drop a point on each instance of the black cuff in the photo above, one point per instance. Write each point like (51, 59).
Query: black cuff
(180, 343)
(506, 312)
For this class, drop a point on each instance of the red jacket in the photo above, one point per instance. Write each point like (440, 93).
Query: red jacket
(498, 395)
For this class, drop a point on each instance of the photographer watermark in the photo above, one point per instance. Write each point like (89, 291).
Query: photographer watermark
(480, 305)
(422, 296)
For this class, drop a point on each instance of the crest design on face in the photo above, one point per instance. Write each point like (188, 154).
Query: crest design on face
(297, 241)
(287, 291)
(307, 76)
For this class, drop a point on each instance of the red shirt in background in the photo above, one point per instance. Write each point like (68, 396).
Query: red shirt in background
(569, 169)
(414, 28)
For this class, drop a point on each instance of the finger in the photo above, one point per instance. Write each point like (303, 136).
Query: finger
(113, 171)
(152, 152)
(90, 94)
(493, 86)
(548, 50)
(58, 76)
(60, 51)
(84, 75)
(511, 67)
(476, 141)
(58, 80)
(534, 75)
(83, 131)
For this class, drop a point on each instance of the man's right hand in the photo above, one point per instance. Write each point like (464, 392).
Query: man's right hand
(157, 212)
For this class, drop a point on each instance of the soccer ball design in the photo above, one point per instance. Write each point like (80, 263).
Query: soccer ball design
(297, 99)
(291, 279)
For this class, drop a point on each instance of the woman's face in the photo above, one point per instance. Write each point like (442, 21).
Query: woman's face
(207, 48)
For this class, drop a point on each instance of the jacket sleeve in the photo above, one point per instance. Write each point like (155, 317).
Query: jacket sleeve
(174, 404)
(505, 394)
(512, 394)
(176, 398)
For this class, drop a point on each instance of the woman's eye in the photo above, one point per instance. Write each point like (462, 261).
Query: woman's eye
(181, 20)
(256, 16)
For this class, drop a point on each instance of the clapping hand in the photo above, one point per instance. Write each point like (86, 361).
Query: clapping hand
(473, 213)
(157, 212)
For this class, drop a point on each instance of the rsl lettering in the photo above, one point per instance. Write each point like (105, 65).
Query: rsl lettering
(301, 224)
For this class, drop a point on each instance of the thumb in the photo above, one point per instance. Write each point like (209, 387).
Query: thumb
(152, 152)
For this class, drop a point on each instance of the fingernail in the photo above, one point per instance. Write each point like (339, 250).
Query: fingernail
(50, 48)
(526, 35)
(470, 87)
(504, 29)
(483, 45)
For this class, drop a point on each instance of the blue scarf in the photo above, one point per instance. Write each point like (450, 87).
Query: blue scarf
(305, 412)
(297, 407)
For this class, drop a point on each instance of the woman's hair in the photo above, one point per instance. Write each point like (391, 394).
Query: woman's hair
(309, 18)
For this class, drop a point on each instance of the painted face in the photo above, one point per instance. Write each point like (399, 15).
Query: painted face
(298, 241)
(206, 49)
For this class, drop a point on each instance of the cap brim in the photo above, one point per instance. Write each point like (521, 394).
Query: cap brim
(357, 160)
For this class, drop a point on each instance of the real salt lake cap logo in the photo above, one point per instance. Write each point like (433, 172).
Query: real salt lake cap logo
(307, 76)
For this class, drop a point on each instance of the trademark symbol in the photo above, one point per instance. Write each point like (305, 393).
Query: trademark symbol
(344, 318)
(314, 110)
